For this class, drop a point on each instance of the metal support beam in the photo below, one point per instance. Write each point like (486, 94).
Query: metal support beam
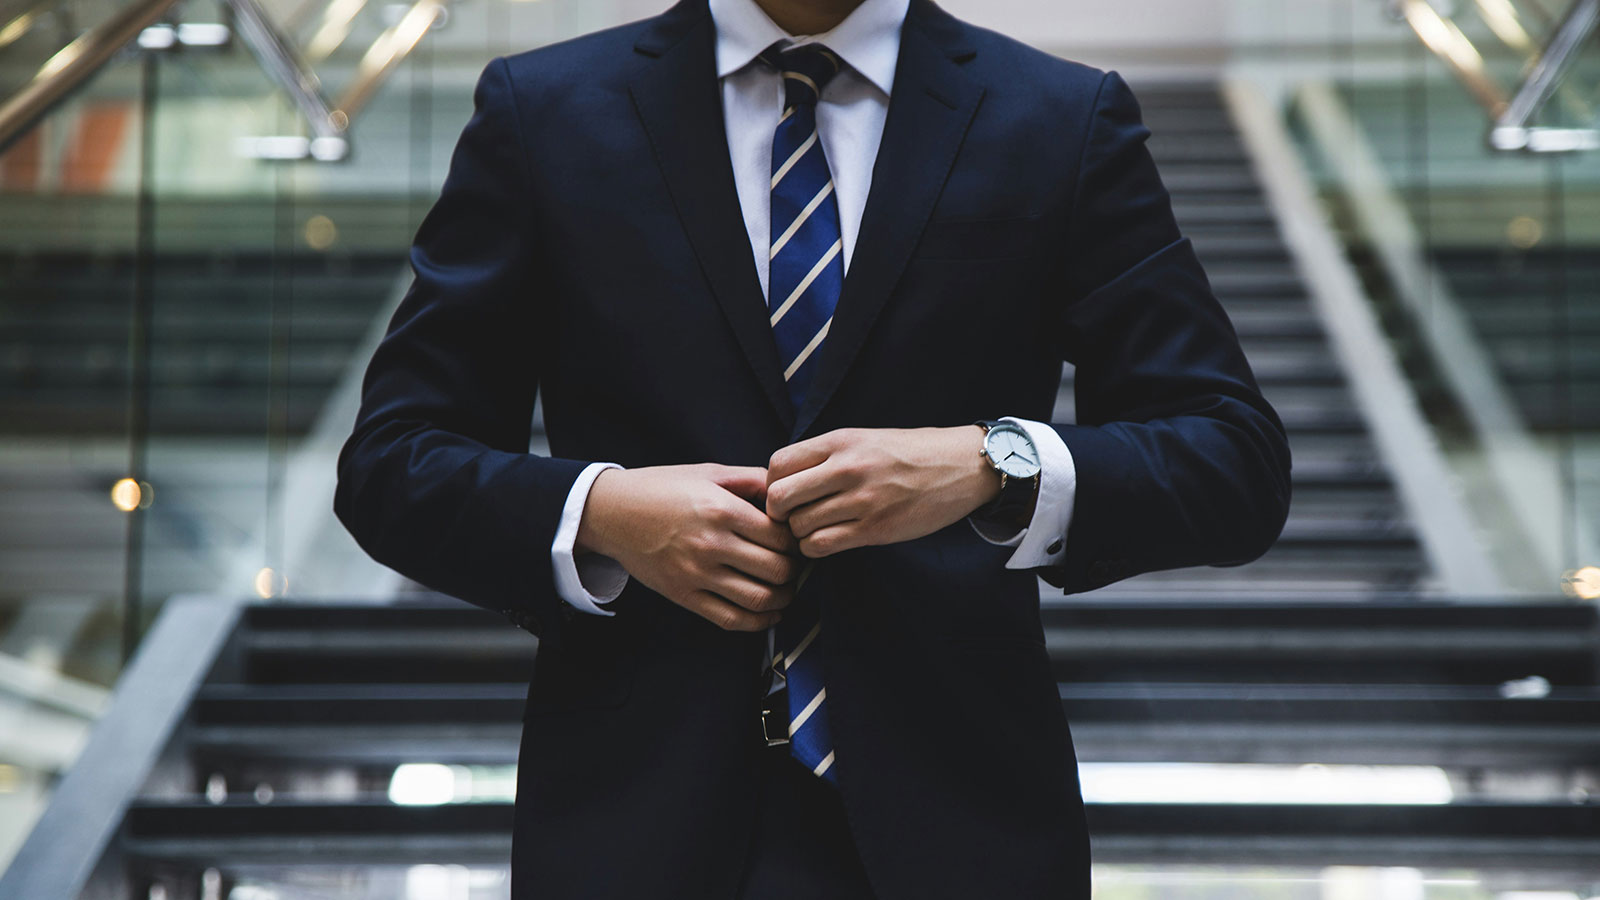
(284, 65)
(1512, 130)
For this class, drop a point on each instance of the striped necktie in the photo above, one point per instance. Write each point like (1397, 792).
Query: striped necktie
(806, 258)
(806, 273)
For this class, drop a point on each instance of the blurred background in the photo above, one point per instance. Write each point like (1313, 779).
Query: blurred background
(207, 691)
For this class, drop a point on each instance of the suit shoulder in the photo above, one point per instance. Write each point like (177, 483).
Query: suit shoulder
(588, 58)
(1007, 58)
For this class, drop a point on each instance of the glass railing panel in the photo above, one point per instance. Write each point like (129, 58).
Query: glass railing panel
(1513, 242)
(1525, 63)
(177, 310)
(1495, 304)
(68, 282)
(272, 274)
(199, 349)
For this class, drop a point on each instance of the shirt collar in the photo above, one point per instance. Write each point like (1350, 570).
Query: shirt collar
(868, 39)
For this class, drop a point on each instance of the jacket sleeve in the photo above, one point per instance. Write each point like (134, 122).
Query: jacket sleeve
(436, 480)
(1180, 460)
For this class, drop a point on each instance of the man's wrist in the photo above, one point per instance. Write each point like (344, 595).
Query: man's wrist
(986, 481)
(1016, 516)
(593, 529)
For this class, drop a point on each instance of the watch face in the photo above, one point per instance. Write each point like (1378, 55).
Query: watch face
(1012, 452)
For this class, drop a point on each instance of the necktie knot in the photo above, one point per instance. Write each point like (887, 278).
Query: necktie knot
(806, 70)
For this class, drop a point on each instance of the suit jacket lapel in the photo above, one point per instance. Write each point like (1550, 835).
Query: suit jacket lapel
(680, 102)
(933, 103)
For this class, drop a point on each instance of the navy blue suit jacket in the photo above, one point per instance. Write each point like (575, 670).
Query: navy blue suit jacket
(588, 246)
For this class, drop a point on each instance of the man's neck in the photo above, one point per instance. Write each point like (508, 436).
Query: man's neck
(808, 16)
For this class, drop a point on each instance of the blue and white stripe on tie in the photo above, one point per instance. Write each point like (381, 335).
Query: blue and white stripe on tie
(806, 274)
(806, 259)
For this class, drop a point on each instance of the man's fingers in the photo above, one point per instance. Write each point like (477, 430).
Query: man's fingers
(830, 510)
(748, 482)
(830, 540)
(763, 564)
(741, 590)
(799, 457)
(750, 523)
(789, 493)
(727, 616)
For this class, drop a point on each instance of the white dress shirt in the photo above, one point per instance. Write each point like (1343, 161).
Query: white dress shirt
(850, 119)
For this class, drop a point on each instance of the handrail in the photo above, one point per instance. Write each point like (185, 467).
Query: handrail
(328, 123)
(74, 64)
(17, 18)
(333, 29)
(387, 51)
(60, 854)
(1450, 43)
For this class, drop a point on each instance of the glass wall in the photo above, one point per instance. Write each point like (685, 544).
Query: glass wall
(1481, 254)
(187, 298)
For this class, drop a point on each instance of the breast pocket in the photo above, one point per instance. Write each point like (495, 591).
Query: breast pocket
(1011, 237)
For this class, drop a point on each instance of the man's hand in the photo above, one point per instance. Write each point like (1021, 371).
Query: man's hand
(857, 487)
(695, 535)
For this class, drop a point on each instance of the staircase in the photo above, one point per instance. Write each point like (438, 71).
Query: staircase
(263, 744)
(1538, 314)
(259, 746)
(244, 351)
(1516, 244)
(221, 342)
(1347, 532)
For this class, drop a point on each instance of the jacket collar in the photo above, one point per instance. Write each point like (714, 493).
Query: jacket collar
(674, 25)
(679, 102)
(868, 40)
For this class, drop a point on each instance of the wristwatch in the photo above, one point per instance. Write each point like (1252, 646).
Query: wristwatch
(1011, 452)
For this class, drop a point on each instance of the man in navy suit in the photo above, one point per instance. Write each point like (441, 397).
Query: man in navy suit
(795, 280)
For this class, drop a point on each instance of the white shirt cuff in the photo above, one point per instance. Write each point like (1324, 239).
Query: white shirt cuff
(593, 580)
(1044, 541)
